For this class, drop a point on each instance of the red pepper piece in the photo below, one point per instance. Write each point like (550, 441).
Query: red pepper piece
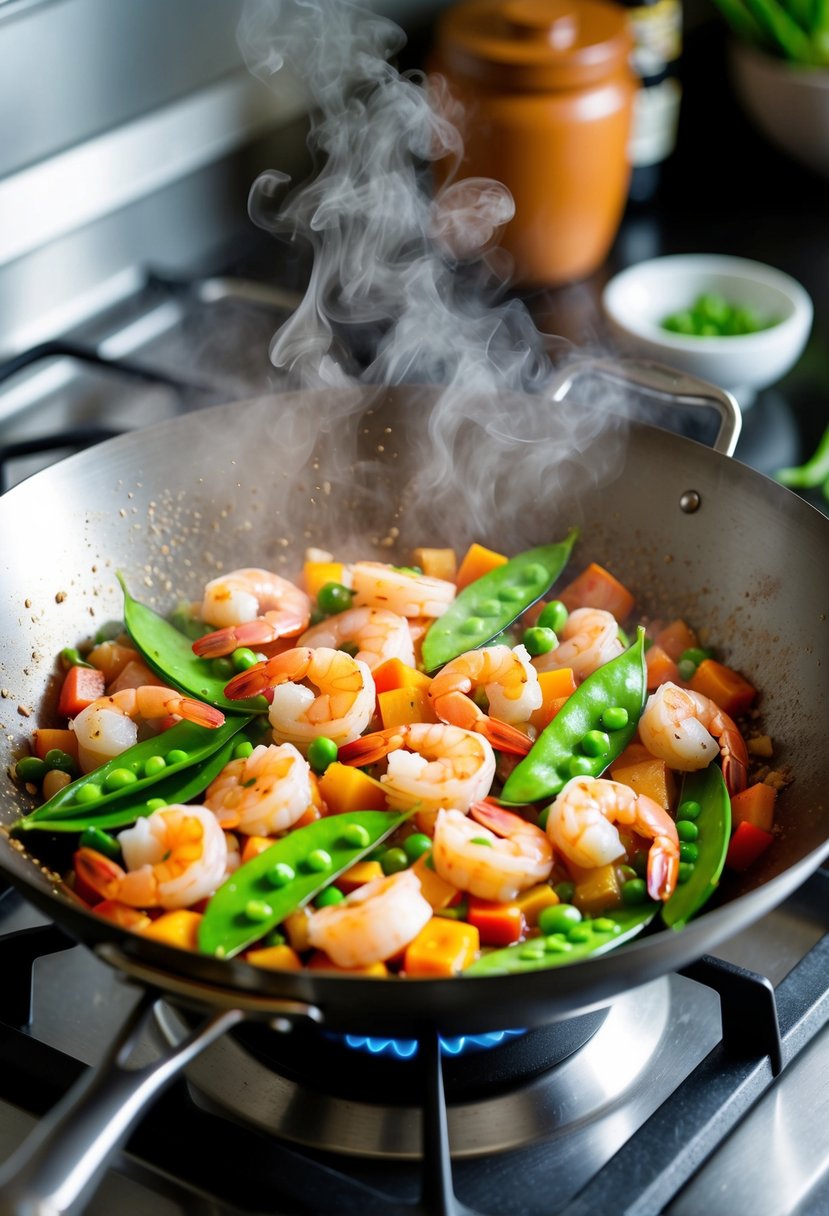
(81, 686)
(746, 845)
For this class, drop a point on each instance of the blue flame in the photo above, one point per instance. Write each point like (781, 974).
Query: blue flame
(405, 1049)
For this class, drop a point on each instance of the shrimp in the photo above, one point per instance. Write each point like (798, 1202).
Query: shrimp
(441, 766)
(492, 853)
(509, 681)
(264, 793)
(581, 822)
(341, 710)
(377, 633)
(253, 607)
(373, 923)
(589, 639)
(377, 585)
(174, 858)
(683, 728)
(107, 726)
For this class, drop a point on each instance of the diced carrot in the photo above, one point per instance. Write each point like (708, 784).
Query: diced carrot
(275, 958)
(81, 686)
(634, 753)
(46, 738)
(123, 915)
(746, 845)
(358, 875)
(443, 947)
(675, 638)
(499, 924)
(437, 563)
(311, 815)
(111, 658)
(556, 687)
(434, 889)
(396, 674)
(660, 667)
(755, 805)
(399, 706)
(345, 789)
(651, 777)
(725, 686)
(596, 587)
(254, 845)
(534, 900)
(134, 674)
(476, 562)
(317, 574)
(321, 962)
(178, 928)
(599, 890)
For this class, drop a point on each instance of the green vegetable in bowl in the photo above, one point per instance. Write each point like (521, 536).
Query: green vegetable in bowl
(790, 29)
(712, 316)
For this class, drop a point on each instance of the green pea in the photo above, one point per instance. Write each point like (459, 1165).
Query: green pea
(274, 938)
(119, 778)
(156, 804)
(580, 933)
(690, 809)
(579, 766)
(686, 869)
(31, 769)
(558, 918)
(532, 574)
(55, 758)
(539, 640)
(553, 616)
(604, 924)
(154, 765)
(686, 669)
(222, 668)
(280, 875)
(473, 626)
(625, 873)
(565, 891)
(616, 717)
(318, 860)
(356, 836)
(257, 910)
(686, 830)
(394, 860)
(176, 756)
(490, 608)
(242, 750)
(243, 658)
(556, 943)
(322, 751)
(88, 793)
(334, 597)
(595, 743)
(634, 891)
(416, 845)
(511, 595)
(329, 897)
(532, 950)
(688, 851)
(102, 842)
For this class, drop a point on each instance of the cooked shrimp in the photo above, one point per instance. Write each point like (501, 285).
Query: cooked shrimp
(509, 680)
(686, 730)
(252, 607)
(377, 585)
(108, 725)
(263, 794)
(441, 766)
(581, 822)
(491, 853)
(341, 709)
(373, 923)
(377, 633)
(174, 858)
(589, 639)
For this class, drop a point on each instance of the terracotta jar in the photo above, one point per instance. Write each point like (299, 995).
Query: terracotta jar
(547, 94)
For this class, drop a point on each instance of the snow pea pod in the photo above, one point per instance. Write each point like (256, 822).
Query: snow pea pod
(588, 937)
(703, 821)
(584, 738)
(170, 654)
(182, 747)
(266, 889)
(491, 603)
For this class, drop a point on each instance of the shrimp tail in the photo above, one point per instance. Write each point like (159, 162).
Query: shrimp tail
(734, 755)
(261, 632)
(197, 712)
(290, 666)
(502, 736)
(98, 872)
(663, 868)
(494, 817)
(370, 748)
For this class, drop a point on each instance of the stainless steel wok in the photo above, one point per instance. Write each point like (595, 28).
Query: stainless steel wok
(693, 532)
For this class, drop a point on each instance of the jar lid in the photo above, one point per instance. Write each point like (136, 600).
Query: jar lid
(534, 44)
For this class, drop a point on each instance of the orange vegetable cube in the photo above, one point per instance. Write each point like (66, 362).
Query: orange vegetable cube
(254, 845)
(400, 706)
(596, 587)
(498, 924)
(534, 900)
(46, 738)
(311, 815)
(81, 686)
(178, 928)
(726, 687)
(111, 658)
(321, 962)
(442, 948)
(358, 875)
(317, 574)
(598, 890)
(651, 777)
(755, 805)
(634, 753)
(434, 889)
(396, 674)
(476, 562)
(347, 789)
(275, 958)
(437, 563)
(296, 929)
(556, 687)
(133, 674)
(660, 667)
(675, 638)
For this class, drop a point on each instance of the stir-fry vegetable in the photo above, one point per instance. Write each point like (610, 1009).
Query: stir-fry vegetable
(415, 776)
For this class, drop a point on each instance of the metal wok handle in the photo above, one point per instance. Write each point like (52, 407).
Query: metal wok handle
(665, 383)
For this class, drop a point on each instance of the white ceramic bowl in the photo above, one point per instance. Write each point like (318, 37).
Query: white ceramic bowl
(788, 102)
(638, 300)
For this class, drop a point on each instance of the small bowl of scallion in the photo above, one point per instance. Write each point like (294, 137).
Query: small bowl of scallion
(737, 323)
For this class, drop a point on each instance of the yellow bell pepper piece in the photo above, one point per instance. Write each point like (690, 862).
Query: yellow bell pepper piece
(534, 900)
(399, 706)
(358, 875)
(442, 948)
(275, 958)
(346, 789)
(317, 574)
(178, 928)
(437, 563)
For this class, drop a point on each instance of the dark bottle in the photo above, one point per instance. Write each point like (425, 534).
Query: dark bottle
(656, 26)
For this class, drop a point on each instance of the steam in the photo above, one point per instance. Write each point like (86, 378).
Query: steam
(408, 285)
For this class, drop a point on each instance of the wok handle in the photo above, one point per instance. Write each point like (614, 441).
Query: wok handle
(56, 1169)
(667, 384)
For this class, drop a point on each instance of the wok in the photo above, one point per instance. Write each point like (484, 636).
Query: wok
(379, 471)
